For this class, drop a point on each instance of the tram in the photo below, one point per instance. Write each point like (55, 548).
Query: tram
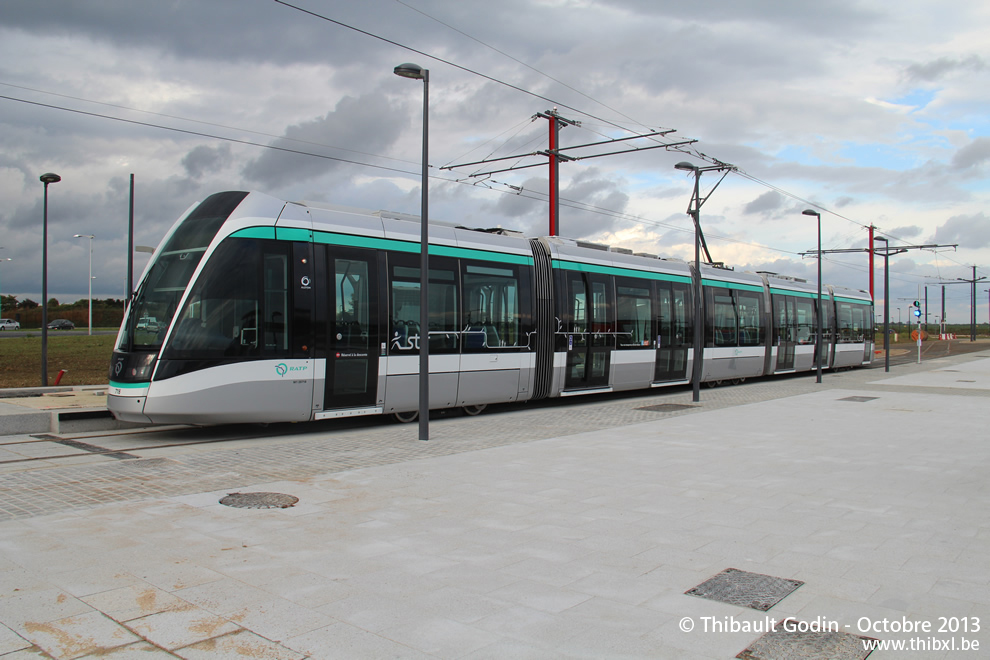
(253, 309)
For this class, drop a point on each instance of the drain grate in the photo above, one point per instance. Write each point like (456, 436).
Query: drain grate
(965, 381)
(860, 399)
(259, 500)
(667, 407)
(781, 644)
(753, 590)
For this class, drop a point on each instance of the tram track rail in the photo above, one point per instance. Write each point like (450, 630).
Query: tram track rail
(92, 444)
(125, 453)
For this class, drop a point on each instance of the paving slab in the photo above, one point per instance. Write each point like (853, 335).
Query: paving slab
(871, 491)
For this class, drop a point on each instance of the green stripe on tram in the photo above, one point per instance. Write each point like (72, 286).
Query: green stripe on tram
(854, 301)
(617, 270)
(377, 243)
(799, 294)
(732, 285)
(128, 386)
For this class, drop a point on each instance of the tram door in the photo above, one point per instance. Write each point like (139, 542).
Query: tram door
(352, 328)
(786, 322)
(590, 337)
(674, 335)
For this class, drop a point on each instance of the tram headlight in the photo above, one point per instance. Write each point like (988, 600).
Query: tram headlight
(132, 367)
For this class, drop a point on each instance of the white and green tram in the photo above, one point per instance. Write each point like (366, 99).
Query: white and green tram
(273, 311)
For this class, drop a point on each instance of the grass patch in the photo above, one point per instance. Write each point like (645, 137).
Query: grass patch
(85, 358)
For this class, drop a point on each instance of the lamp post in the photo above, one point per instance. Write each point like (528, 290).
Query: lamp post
(886, 303)
(47, 178)
(818, 339)
(1, 295)
(90, 237)
(416, 72)
(695, 214)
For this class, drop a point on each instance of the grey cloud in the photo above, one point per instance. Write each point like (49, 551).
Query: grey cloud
(369, 124)
(590, 188)
(906, 232)
(523, 205)
(940, 68)
(202, 159)
(768, 201)
(968, 231)
(973, 154)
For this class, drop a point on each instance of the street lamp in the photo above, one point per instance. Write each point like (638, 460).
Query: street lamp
(886, 303)
(1, 295)
(696, 360)
(48, 177)
(695, 214)
(90, 237)
(818, 339)
(416, 72)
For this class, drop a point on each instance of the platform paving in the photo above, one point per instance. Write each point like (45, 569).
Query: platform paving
(567, 531)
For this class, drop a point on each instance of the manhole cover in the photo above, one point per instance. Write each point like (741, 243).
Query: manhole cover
(753, 590)
(859, 399)
(667, 407)
(965, 381)
(786, 643)
(259, 500)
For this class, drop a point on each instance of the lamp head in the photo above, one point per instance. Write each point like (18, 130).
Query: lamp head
(811, 212)
(50, 177)
(410, 70)
(686, 166)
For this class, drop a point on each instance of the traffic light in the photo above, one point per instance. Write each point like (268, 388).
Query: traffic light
(917, 303)
(917, 312)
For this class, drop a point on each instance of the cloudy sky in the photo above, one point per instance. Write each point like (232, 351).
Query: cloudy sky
(873, 112)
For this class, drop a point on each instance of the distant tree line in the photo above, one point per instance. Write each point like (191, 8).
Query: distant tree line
(107, 313)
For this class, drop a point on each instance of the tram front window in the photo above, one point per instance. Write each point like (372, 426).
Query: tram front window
(160, 291)
(238, 307)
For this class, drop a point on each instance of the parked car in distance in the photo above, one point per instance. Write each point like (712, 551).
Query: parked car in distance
(9, 324)
(149, 323)
(61, 324)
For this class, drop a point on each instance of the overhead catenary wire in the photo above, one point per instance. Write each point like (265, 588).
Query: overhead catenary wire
(692, 151)
(535, 196)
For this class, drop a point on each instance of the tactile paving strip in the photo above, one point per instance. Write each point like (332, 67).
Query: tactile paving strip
(789, 644)
(753, 590)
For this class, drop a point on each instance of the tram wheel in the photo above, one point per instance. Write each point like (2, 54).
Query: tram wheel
(474, 410)
(406, 417)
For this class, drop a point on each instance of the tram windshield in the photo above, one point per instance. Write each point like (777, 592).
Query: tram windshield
(158, 295)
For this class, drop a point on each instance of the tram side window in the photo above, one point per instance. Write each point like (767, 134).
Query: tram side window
(238, 308)
(274, 337)
(844, 320)
(635, 315)
(806, 329)
(404, 330)
(723, 317)
(861, 318)
(683, 310)
(492, 308)
(352, 315)
(749, 305)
